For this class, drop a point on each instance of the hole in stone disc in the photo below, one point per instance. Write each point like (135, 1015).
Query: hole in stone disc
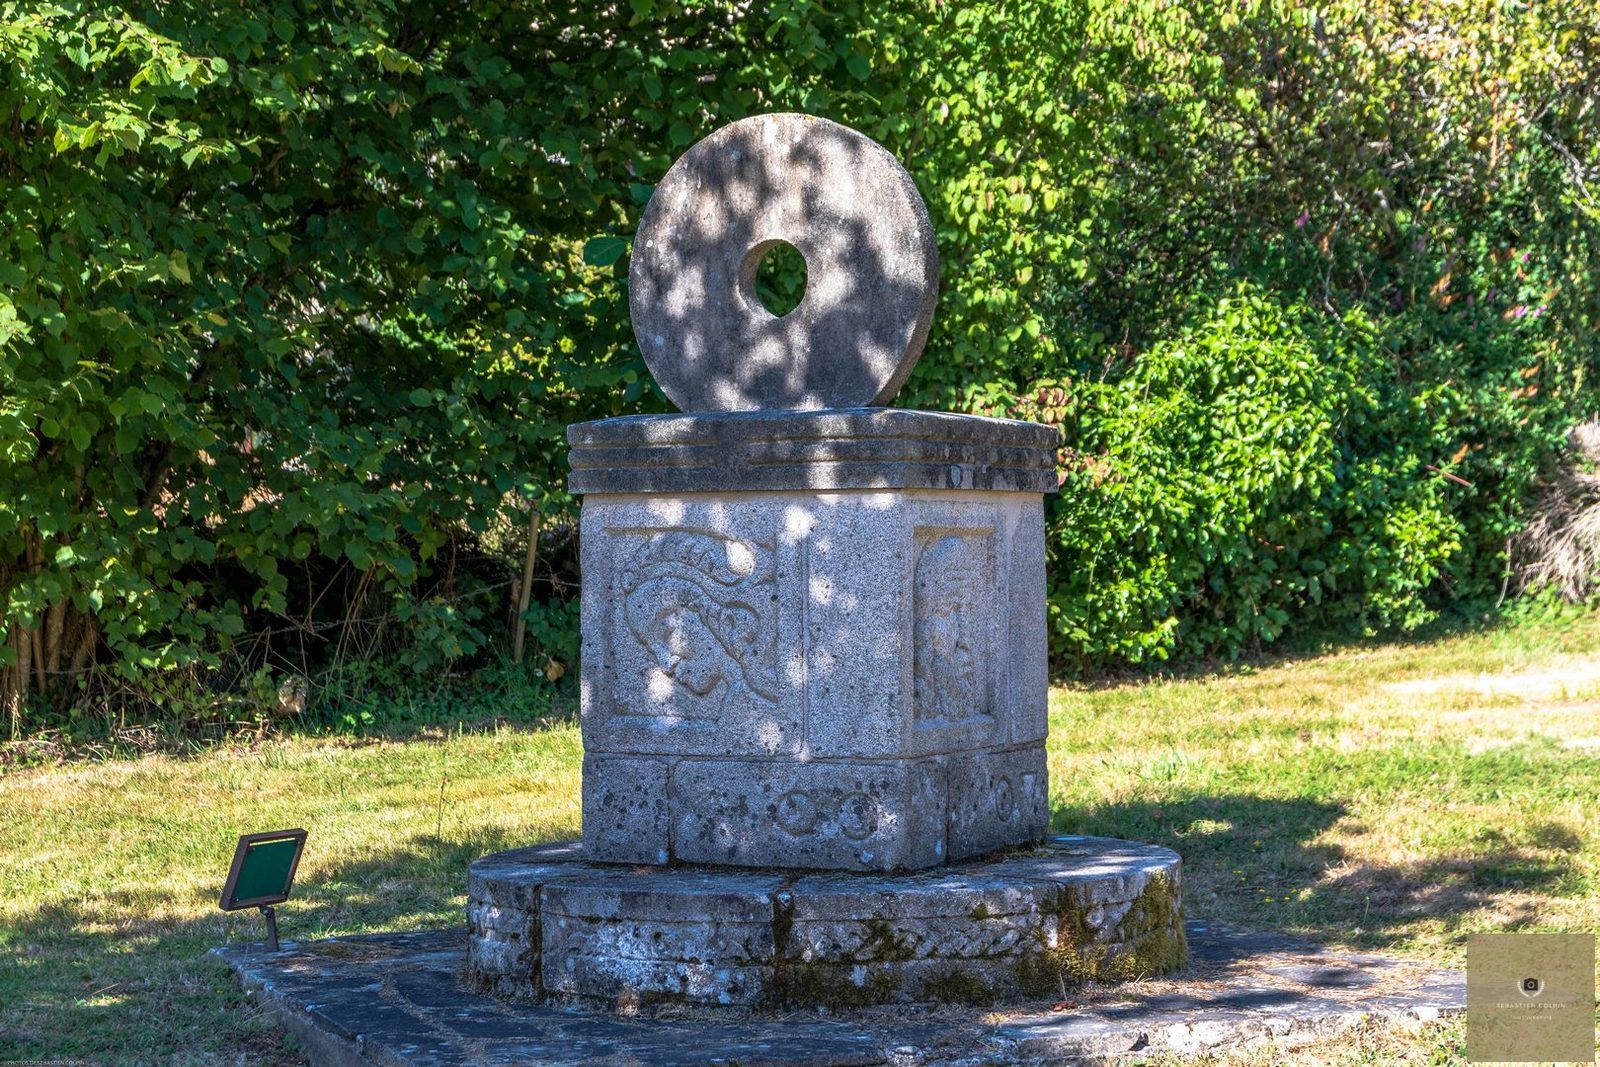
(780, 279)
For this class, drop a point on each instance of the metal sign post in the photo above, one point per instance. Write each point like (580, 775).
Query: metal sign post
(263, 874)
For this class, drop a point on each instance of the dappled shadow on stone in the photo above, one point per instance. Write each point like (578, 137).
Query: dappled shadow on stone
(872, 267)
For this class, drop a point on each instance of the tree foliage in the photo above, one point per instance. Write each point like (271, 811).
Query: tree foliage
(296, 300)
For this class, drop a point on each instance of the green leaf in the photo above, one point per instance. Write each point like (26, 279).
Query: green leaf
(603, 251)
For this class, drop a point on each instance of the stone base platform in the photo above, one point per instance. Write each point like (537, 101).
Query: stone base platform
(399, 999)
(1031, 923)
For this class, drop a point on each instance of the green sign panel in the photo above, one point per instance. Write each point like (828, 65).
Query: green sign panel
(263, 869)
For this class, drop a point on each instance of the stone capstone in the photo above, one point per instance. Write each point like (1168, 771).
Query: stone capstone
(872, 265)
(840, 679)
(851, 448)
(547, 921)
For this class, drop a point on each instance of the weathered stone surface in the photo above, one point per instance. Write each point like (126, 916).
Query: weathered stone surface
(813, 630)
(967, 889)
(513, 878)
(682, 612)
(680, 895)
(706, 939)
(687, 980)
(967, 932)
(394, 999)
(504, 957)
(801, 632)
(959, 937)
(852, 448)
(996, 799)
(872, 269)
(863, 816)
(626, 812)
(1027, 641)
(978, 643)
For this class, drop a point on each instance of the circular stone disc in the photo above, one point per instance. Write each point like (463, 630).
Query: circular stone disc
(872, 270)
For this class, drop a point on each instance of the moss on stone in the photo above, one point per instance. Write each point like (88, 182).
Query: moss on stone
(1153, 930)
(813, 985)
(982, 912)
(958, 985)
(1051, 970)
(782, 922)
(1151, 935)
(882, 945)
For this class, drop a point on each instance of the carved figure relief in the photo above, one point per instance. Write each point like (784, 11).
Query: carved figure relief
(701, 608)
(949, 633)
(1005, 800)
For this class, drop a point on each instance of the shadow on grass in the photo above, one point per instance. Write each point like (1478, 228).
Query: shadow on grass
(1257, 861)
(187, 740)
(123, 975)
(114, 977)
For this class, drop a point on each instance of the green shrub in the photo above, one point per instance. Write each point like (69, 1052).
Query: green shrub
(1256, 471)
(296, 301)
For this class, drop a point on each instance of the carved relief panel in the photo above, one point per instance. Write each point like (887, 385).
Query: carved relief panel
(685, 651)
(954, 649)
(700, 615)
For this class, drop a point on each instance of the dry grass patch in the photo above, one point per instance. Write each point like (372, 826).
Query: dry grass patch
(1309, 796)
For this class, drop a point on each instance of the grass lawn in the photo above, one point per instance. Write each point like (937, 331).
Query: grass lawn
(1395, 797)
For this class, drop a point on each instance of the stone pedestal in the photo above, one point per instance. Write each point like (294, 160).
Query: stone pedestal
(1032, 924)
(812, 639)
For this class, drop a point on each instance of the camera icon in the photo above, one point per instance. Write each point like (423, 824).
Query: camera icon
(1532, 987)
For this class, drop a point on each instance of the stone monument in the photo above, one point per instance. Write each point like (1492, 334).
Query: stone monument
(814, 674)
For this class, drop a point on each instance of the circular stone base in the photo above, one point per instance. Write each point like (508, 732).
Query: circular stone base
(1031, 923)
